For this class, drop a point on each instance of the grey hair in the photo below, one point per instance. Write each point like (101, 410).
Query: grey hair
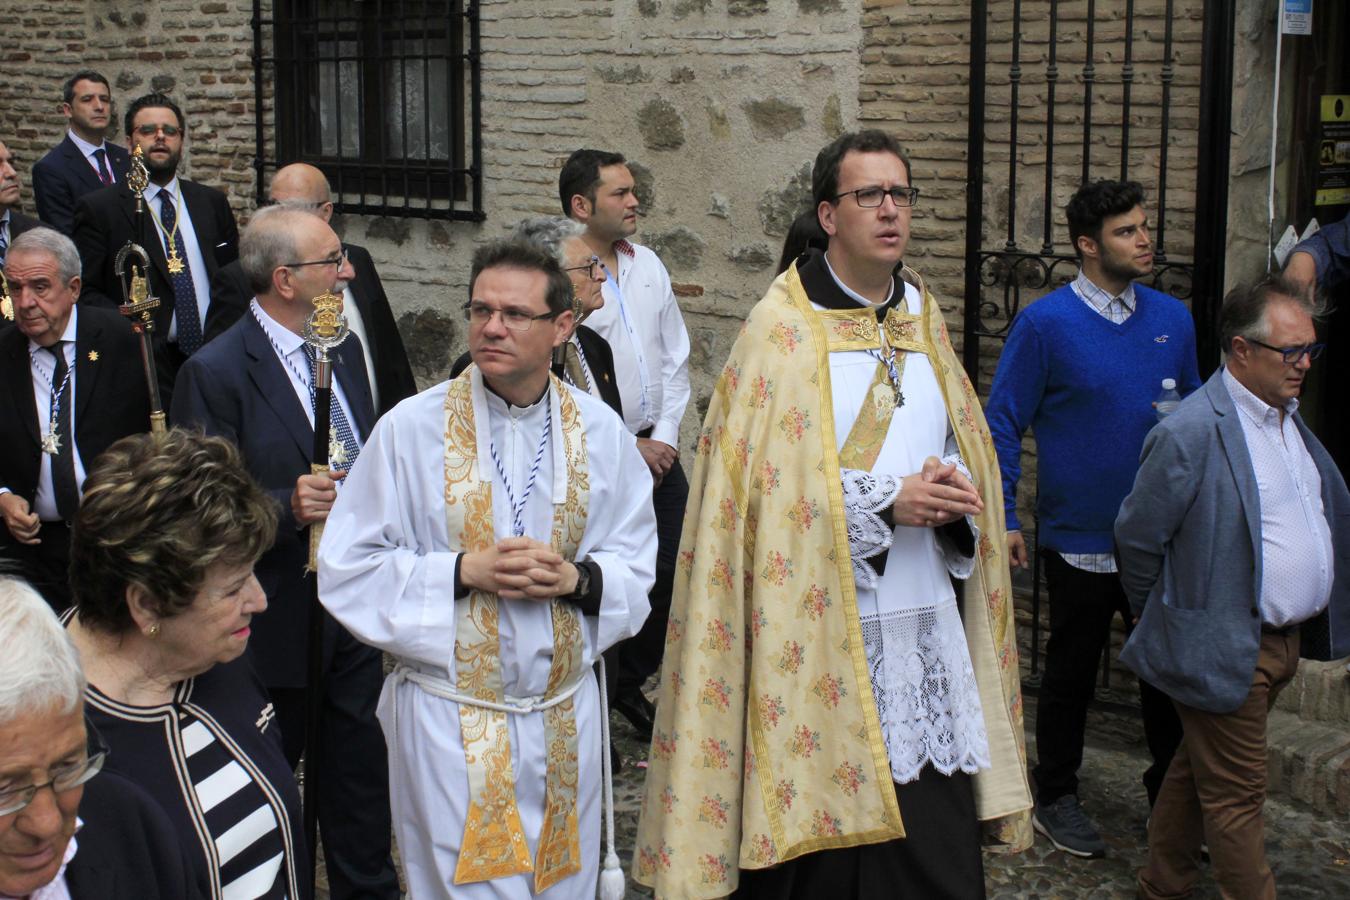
(40, 668)
(1244, 308)
(49, 240)
(268, 241)
(548, 233)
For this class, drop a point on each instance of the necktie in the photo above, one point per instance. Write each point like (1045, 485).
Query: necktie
(101, 157)
(4, 242)
(184, 293)
(576, 373)
(63, 463)
(339, 428)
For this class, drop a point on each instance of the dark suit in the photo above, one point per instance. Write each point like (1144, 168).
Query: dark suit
(236, 387)
(599, 358)
(106, 219)
(127, 849)
(19, 223)
(230, 294)
(64, 175)
(110, 403)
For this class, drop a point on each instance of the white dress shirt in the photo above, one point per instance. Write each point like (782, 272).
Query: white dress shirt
(1296, 554)
(188, 248)
(644, 328)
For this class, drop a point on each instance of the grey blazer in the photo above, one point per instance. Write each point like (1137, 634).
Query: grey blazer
(1188, 539)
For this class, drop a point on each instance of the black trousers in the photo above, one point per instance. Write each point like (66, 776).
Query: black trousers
(640, 655)
(1082, 605)
(938, 859)
(353, 768)
(45, 565)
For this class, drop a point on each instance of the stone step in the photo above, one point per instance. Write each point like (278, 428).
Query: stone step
(1320, 692)
(1309, 761)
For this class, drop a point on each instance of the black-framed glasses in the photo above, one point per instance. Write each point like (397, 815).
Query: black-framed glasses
(330, 261)
(872, 197)
(62, 778)
(152, 130)
(1292, 355)
(591, 266)
(480, 314)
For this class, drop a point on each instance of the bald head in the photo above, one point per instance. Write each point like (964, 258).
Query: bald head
(302, 186)
(273, 238)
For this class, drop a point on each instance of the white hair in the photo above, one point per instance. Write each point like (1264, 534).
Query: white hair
(40, 667)
(548, 233)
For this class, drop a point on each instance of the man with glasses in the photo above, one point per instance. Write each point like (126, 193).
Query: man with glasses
(832, 722)
(254, 385)
(187, 229)
(1230, 546)
(74, 381)
(302, 186)
(643, 327)
(1082, 368)
(84, 161)
(50, 772)
(492, 541)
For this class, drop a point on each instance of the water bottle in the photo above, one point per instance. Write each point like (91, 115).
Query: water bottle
(1167, 401)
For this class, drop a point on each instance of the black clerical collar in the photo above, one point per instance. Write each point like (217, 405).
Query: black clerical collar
(512, 407)
(821, 287)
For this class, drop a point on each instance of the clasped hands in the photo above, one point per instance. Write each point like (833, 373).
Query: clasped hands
(935, 495)
(519, 568)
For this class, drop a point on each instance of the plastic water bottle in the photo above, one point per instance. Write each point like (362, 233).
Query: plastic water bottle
(1167, 401)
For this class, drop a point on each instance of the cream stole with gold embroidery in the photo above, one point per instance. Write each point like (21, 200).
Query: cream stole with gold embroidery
(494, 844)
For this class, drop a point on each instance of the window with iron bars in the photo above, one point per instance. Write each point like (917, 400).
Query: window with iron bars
(382, 95)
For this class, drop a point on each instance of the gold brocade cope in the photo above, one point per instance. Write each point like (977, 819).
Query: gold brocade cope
(494, 844)
(767, 743)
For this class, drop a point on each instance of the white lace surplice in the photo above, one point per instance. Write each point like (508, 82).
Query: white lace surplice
(923, 680)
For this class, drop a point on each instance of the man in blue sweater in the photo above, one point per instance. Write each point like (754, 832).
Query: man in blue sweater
(1082, 368)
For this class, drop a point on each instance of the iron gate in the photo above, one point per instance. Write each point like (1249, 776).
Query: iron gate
(1096, 94)
(1033, 258)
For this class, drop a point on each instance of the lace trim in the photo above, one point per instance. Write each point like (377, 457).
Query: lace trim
(865, 495)
(925, 690)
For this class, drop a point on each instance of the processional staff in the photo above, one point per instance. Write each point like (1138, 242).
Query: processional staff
(325, 329)
(131, 265)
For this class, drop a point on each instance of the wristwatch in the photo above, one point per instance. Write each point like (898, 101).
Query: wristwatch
(583, 582)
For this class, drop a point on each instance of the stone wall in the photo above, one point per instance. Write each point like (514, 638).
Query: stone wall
(721, 104)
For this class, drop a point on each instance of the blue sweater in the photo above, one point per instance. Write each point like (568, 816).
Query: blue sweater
(1086, 387)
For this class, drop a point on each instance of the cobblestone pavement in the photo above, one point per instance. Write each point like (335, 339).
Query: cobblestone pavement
(1310, 855)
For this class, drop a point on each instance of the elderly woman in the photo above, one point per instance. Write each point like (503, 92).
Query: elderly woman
(162, 572)
(66, 830)
(585, 360)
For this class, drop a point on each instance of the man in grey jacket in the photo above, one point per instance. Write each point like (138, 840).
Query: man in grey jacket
(1234, 536)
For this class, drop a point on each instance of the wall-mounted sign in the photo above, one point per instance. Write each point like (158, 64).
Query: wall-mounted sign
(1296, 17)
(1333, 152)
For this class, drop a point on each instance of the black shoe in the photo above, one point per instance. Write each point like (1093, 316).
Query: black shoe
(638, 710)
(1069, 828)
